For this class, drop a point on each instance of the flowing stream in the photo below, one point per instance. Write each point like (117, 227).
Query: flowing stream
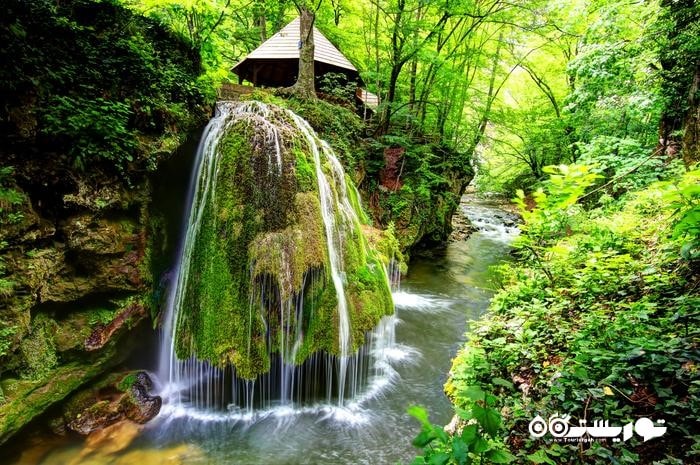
(441, 292)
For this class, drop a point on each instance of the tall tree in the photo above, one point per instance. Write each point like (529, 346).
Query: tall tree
(304, 86)
(680, 61)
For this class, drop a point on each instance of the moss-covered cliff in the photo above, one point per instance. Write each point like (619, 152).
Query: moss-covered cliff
(92, 98)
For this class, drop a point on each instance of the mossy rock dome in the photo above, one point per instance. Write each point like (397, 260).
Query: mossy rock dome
(258, 263)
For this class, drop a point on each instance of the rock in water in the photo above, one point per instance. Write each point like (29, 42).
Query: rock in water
(138, 405)
(91, 411)
(275, 261)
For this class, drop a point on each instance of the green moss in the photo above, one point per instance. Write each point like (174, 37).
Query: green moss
(126, 382)
(369, 297)
(38, 350)
(355, 201)
(101, 316)
(28, 398)
(389, 248)
(261, 246)
(338, 125)
(72, 332)
(305, 172)
(219, 289)
(320, 315)
(77, 403)
(288, 254)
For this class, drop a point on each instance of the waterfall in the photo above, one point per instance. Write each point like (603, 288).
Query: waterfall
(333, 230)
(196, 385)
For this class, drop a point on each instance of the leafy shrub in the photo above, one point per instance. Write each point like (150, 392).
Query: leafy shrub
(94, 81)
(600, 324)
(475, 442)
(685, 199)
(555, 205)
(6, 286)
(626, 163)
(10, 199)
(7, 334)
(94, 129)
(336, 85)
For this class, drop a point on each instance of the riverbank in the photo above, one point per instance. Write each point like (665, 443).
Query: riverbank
(596, 320)
(434, 301)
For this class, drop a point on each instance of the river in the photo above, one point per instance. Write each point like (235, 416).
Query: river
(443, 290)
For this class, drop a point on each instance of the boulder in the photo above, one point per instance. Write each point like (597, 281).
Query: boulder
(129, 399)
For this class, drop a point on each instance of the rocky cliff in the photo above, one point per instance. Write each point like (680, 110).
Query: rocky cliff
(80, 134)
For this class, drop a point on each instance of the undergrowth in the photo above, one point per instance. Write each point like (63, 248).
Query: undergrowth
(597, 320)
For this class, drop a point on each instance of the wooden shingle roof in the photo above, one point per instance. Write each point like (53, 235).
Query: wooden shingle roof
(285, 45)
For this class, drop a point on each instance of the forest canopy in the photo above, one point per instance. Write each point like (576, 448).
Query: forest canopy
(528, 83)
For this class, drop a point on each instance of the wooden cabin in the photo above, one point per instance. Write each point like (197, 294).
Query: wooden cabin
(276, 64)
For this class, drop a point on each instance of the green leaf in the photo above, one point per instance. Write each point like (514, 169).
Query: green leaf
(481, 445)
(459, 450)
(499, 456)
(439, 459)
(469, 433)
(420, 414)
(440, 433)
(502, 382)
(474, 393)
(541, 457)
(424, 438)
(488, 418)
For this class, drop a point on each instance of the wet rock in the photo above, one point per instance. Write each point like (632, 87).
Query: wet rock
(56, 274)
(97, 416)
(139, 406)
(42, 230)
(72, 331)
(144, 380)
(89, 233)
(75, 280)
(98, 195)
(17, 215)
(127, 400)
(26, 399)
(462, 228)
(102, 334)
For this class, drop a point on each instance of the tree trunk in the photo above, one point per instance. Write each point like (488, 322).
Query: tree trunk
(691, 137)
(414, 68)
(679, 129)
(493, 92)
(390, 97)
(304, 87)
(261, 20)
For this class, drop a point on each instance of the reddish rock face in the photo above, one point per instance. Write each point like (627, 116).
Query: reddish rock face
(103, 333)
(390, 176)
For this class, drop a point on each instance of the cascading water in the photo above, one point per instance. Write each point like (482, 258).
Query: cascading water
(440, 293)
(333, 231)
(279, 299)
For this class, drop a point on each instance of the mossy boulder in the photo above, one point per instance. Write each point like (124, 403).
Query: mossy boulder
(116, 398)
(259, 280)
(55, 357)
